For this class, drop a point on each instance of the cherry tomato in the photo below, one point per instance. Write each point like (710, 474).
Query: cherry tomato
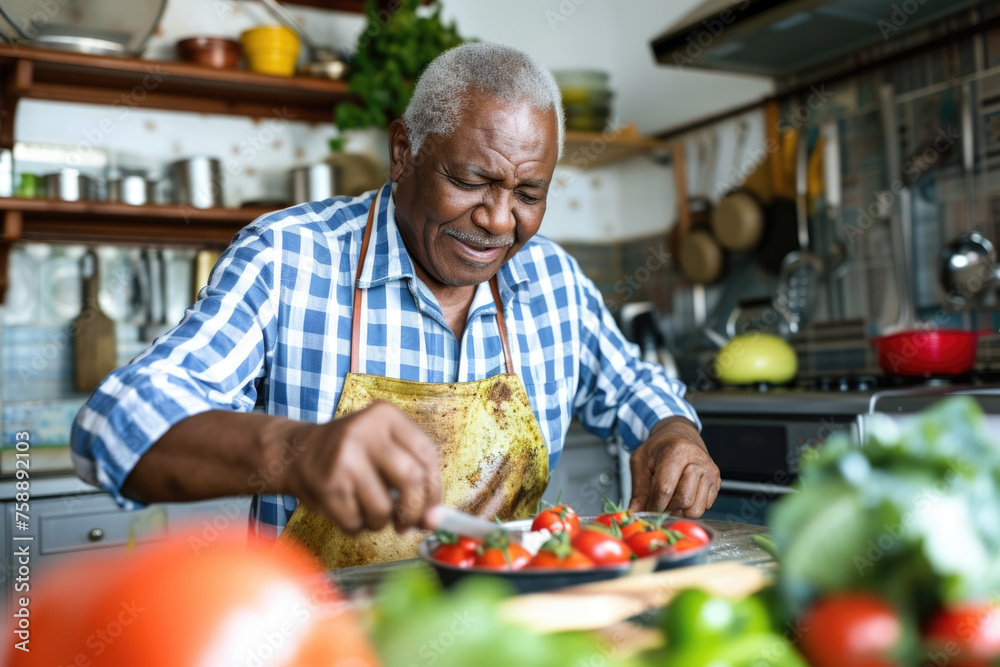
(574, 560)
(972, 632)
(557, 519)
(454, 554)
(620, 518)
(510, 557)
(468, 543)
(849, 629)
(601, 547)
(635, 526)
(460, 541)
(646, 542)
(692, 530)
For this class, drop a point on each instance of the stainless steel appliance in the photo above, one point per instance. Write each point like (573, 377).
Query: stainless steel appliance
(757, 436)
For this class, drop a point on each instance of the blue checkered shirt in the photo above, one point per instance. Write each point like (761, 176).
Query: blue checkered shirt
(275, 322)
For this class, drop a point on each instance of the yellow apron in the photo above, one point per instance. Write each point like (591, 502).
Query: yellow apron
(494, 462)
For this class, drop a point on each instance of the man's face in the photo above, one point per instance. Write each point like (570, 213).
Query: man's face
(469, 201)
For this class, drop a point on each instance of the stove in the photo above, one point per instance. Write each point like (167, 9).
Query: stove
(757, 434)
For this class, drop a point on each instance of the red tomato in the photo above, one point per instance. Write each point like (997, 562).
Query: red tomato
(968, 635)
(557, 519)
(646, 542)
(468, 543)
(574, 560)
(228, 601)
(455, 554)
(635, 526)
(692, 530)
(621, 518)
(461, 541)
(600, 547)
(511, 557)
(849, 630)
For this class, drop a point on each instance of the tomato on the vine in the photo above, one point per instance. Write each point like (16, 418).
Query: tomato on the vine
(454, 554)
(558, 553)
(691, 530)
(635, 526)
(557, 519)
(614, 514)
(510, 557)
(601, 546)
(646, 542)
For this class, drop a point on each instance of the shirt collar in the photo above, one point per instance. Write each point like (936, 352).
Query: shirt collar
(388, 260)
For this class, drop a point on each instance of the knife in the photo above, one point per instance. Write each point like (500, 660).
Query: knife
(440, 517)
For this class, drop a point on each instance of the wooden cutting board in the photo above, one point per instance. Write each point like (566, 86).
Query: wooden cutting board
(605, 603)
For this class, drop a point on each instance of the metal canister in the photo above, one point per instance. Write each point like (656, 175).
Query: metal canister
(197, 181)
(315, 182)
(70, 184)
(134, 189)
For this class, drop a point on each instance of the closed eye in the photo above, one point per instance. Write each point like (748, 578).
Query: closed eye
(526, 198)
(466, 185)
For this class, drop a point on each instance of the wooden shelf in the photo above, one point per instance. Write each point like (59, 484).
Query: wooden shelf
(113, 222)
(586, 150)
(45, 74)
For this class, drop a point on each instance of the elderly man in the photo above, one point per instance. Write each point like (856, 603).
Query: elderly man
(418, 344)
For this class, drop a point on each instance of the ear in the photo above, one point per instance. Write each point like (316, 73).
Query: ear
(399, 150)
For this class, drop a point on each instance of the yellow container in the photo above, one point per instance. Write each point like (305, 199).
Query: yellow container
(271, 49)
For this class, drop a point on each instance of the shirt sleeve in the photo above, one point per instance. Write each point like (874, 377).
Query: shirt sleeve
(618, 392)
(209, 361)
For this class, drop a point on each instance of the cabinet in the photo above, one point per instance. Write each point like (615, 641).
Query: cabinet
(67, 527)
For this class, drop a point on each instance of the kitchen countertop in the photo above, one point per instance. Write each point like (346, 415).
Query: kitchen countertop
(733, 541)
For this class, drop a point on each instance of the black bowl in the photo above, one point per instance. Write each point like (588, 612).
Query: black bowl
(544, 579)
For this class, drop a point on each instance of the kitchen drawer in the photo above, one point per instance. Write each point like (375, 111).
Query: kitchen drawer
(78, 532)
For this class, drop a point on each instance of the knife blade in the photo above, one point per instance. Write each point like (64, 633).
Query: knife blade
(440, 517)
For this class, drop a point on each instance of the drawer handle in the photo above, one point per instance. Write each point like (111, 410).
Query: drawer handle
(95, 535)
(604, 479)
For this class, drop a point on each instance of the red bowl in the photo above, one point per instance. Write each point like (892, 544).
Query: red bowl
(930, 352)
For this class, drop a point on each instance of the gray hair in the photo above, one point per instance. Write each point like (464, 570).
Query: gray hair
(451, 79)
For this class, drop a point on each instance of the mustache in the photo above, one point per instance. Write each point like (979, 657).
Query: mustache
(481, 240)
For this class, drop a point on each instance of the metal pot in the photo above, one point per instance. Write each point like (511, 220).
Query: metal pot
(315, 182)
(70, 185)
(134, 189)
(197, 181)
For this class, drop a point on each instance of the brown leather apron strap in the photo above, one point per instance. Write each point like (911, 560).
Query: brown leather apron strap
(356, 312)
(501, 325)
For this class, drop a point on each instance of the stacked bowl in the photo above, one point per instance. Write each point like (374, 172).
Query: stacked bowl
(586, 99)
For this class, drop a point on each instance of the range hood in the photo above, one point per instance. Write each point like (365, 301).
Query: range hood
(786, 39)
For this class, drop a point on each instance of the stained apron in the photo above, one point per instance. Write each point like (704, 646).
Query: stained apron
(493, 458)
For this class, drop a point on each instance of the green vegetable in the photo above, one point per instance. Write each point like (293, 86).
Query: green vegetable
(751, 650)
(696, 618)
(416, 623)
(393, 49)
(913, 515)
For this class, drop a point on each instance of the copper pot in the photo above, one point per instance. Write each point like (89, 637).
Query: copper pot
(214, 52)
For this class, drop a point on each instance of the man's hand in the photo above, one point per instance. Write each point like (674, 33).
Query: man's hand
(346, 469)
(672, 471)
